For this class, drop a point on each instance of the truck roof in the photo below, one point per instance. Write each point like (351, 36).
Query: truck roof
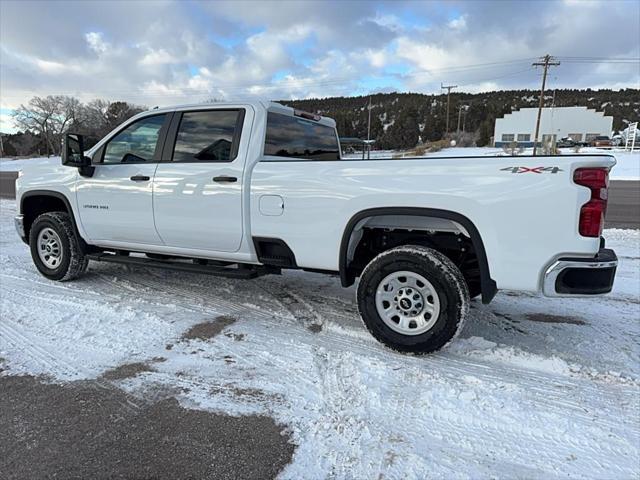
(256, 104)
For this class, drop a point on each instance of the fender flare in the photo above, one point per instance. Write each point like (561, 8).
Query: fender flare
(59, 196)
(487, 284)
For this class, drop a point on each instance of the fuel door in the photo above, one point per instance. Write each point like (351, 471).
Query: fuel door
(271, 205)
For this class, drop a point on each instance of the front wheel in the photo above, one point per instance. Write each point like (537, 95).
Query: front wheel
(413, 299)
(55, 248)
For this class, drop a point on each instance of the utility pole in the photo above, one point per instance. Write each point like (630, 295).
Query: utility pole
(448, 87)
(369, 121)
(369, 132)
(546, 62)
(464, 117)
(461, 108)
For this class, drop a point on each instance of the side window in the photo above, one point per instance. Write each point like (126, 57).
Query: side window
(289, 136)
(136, 143)
(207, 136)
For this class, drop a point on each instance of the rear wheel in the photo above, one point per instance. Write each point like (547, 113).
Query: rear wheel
(412, 299)
(55, 248)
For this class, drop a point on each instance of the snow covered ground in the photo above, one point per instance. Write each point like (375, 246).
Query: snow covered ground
(533, 387)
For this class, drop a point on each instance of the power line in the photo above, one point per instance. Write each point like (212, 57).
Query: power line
(512, 74)
(600, 58)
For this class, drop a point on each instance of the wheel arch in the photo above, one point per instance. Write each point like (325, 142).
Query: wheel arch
(36, 202)
(488, 285)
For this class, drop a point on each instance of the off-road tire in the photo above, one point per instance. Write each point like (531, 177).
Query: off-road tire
(74, 262)
(444, 276)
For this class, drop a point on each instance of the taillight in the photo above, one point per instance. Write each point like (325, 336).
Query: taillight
(592, 213)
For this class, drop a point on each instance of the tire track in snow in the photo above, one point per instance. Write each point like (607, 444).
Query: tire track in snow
(221, 307)
(53, 362)
(206, 300)
(334, 402)
(341, 398)
(295, 305)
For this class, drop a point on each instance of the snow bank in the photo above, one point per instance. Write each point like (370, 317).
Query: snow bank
(628, 166)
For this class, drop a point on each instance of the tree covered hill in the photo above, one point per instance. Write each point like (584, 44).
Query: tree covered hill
(402, 120)
(398, 120)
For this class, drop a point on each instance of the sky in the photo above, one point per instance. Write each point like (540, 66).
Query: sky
(169, 52)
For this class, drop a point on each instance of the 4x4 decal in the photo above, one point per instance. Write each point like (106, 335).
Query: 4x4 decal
(532, 169)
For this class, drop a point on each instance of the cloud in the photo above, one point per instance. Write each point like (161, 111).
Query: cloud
(96, 42)
(459, 23)
(168, 51)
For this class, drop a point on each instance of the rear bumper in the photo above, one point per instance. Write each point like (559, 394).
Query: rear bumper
(581, 276)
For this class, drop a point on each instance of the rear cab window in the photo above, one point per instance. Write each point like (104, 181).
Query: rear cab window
(208, 136)
(297, 138)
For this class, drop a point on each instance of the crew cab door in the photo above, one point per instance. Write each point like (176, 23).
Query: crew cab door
(116, 203)
(197, 192)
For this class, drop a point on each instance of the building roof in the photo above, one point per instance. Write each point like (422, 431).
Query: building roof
(554, 109)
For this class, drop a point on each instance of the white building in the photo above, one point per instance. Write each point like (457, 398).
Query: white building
(579, 123)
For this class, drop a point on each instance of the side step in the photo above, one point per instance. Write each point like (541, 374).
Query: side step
(243, 271)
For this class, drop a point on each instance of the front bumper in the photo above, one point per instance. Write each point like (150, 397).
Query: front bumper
(18, 221)
(581, 276)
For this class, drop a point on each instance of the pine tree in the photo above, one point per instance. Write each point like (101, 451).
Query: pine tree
(484, 134)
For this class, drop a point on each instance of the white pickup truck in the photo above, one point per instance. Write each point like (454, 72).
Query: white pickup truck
(245, 189)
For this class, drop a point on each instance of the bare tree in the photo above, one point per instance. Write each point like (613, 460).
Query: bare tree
(49, 118)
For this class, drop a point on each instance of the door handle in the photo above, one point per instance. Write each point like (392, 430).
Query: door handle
(225, 179)
(140, 178)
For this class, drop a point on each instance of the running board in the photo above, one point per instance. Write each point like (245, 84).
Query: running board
(243, 271)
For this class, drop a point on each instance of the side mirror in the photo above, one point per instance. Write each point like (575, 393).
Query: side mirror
(73, 151)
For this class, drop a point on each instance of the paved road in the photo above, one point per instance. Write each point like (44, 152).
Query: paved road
(623, 210)
(92, 429)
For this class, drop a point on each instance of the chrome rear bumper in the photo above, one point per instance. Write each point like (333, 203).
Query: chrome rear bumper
(581, 276)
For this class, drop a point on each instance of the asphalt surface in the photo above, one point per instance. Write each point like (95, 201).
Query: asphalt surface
(92, 429)
(623, 208)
